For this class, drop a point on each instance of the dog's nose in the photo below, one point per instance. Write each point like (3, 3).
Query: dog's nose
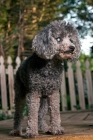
(71, 48)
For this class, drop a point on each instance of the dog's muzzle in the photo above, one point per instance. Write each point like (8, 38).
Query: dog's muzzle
(66, 54)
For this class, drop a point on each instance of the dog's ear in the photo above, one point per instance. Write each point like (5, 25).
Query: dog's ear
(44, 44)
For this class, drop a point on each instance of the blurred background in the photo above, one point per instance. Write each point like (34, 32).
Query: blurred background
(20, 20)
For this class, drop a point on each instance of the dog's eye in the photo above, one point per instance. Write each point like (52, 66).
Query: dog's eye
(58, 39)
(71, 40)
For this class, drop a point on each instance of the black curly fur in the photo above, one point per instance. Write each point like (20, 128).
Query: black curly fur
(39, 78)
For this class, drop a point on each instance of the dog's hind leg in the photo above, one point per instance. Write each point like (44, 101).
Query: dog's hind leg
(42, 114)
(20, 99)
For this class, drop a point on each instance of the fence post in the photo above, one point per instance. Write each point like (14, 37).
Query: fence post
(89, 83)
(71, 86)
(3, 85)
(80, 86)
(10, 81)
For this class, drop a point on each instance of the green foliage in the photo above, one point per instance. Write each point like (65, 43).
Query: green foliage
(77, 107)
(68, 102)
(32, 16)
(89, 106)
(91, 64)
(83, 59)
(5, 116)
(25, 112)
(74, 66)
(0, 106)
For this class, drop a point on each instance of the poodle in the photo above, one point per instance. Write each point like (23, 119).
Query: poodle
(38, 78)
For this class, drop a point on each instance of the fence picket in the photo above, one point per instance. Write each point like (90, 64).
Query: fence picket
(3, 84)
(89, 83)
(71, 86)
(18, 62)
(11, 81)
(63, 92)
(80, 86)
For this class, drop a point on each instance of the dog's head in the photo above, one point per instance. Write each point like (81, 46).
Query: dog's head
(59, 40)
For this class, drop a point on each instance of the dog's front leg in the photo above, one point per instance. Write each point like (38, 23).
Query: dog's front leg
(33, 101)
(42, 115)
(55, 121)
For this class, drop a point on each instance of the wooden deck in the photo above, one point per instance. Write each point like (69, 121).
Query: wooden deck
(78, 126)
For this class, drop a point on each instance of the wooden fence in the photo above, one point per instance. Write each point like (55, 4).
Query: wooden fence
(76, 89)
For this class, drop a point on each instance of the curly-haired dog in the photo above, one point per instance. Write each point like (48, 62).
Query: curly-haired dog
(39, 78)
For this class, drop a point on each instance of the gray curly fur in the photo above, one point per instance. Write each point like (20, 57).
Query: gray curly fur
(39, 78)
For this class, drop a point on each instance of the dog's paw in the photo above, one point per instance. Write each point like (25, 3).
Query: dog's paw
(15, 133)
(30, 134)
(56, 131)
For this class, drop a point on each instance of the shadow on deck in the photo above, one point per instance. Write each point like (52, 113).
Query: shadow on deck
(78, 126)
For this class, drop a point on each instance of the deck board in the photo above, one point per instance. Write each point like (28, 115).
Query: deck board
(78, 125)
